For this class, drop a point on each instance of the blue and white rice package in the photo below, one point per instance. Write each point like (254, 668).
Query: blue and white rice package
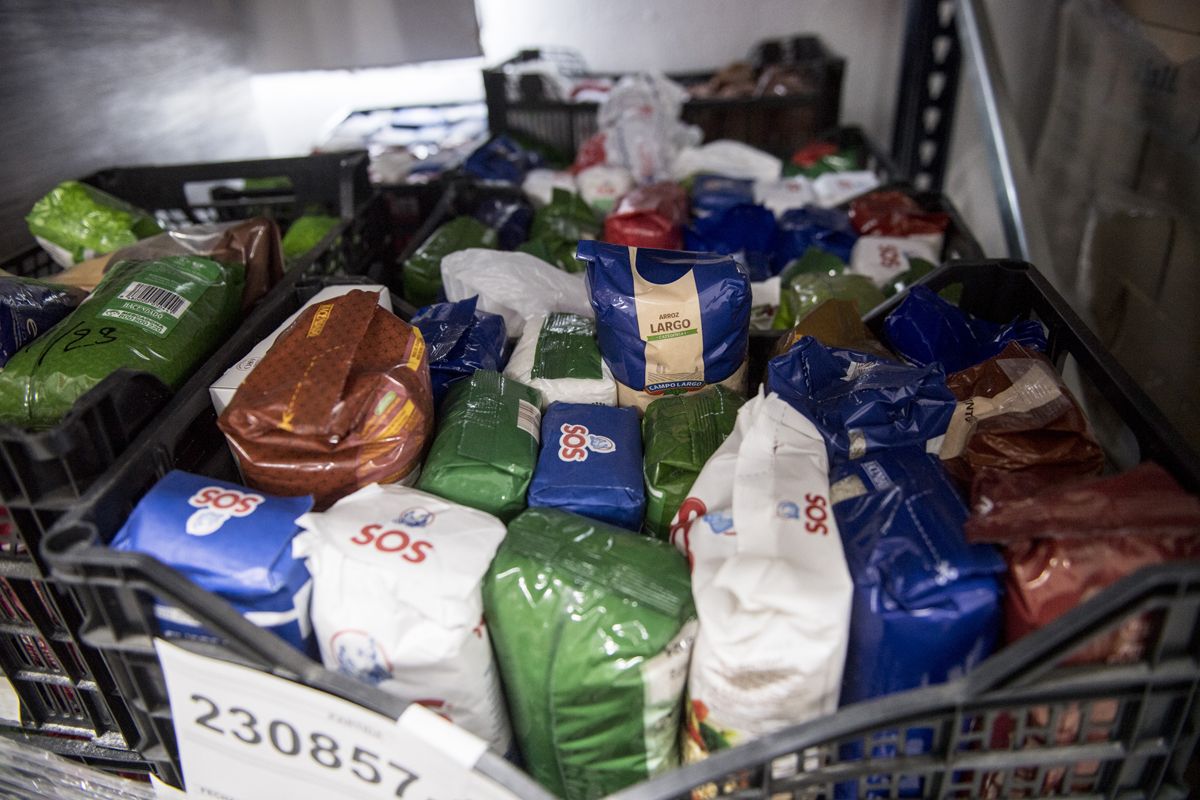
(396, 601)
(591, 464)
(232, 541)
(744, 230)
(926, 603)
(860, 402)
(502, 159)
(827, 229)
(29, 308)
(883, 259)
(459, 340)
(667, 321)
(713, 193)
(509, 218)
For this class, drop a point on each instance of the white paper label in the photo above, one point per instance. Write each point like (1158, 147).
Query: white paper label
(245, 734)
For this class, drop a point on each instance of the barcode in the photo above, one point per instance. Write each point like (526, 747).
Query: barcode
(162, 299)
(529, 419)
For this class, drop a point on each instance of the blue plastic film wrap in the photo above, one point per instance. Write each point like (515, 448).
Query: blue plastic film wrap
(459, 341)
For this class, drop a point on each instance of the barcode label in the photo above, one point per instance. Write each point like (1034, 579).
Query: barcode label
(529, 419)
(162, 299)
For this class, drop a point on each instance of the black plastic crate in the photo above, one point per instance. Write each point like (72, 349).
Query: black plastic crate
(775, 124)
(1142, 720)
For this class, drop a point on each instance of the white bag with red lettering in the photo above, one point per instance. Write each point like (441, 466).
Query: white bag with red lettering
(396, 600)
(769, 578)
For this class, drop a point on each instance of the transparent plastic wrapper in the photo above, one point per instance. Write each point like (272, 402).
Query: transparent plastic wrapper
(744, 230)
(513, 285)
(925, 329)
(33, 773)
(801, 229)
(29, 308)
(835, 188)
(649, 216)
(341, 400)
(884, 259)
(459, 340)
(540, 184)
(835, 323)
(641, 127)
(396, 601)
(860, 402)
(558, 356)
(594, 659)
(510, 219)
(729, 158)
(602, 185)
(306, 233)
(163, 317)
(486, 445)
(502, 159)
(784, 194)
(892, 213)
(1065, 544)
(668, 321)
(231, 541)
(75, 222)
(770, 581)
(679, 434)
(713, 193)
(423, 270)
(803, 292)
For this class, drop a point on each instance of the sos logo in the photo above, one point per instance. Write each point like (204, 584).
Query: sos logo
(393, 541)
(215, 505)
(575, 442)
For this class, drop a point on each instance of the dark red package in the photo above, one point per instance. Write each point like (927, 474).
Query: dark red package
(649, 216)
(813, 152)
(894, 214)
(1016, 415)
(590, 153)
(1067, 543)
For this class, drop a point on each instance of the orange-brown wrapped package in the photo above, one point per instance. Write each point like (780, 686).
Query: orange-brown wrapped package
(341, 400)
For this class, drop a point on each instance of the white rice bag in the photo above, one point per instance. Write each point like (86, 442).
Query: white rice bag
(513, 285)
(396, 600)
(602, 186)
(564, 350)
(835, 188)
(729, 158)
(769, 578)
(765, 303)
(540, 184)
(883, 258)
(785, 194)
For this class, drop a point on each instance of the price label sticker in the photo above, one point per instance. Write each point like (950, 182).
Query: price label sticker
(245, 734)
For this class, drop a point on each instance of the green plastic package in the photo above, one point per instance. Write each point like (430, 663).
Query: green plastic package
(593, 628)
(486, 445)
(679, 434)
(75, 222)
(559, 252)
(557, 228)
(814, 260)
(162, 316)
(808, 290)
(306, 233)
(423, 271)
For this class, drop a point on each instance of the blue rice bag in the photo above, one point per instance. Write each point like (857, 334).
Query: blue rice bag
(502, 159)
(643, 297)
(29, 308)
(713, 193)
(459, 341)
(591, 463)
(860, 402)
(925, 329)
(509, 218)
(744, 229)
(826, 229)
(231, 541)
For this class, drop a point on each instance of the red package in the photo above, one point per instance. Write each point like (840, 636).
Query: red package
(813, 152)
(591, 153)
(649, 216)
(894, 214)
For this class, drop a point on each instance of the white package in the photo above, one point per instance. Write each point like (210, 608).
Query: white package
(226, 386)
(769, 577)
(396, 600)
(641, 127)
(513, 285)
(602, 391)
(729, 158)
(765, 302)
(835, 188)
(785, 194)
(540, 184)
(883, 258)
(602, 185)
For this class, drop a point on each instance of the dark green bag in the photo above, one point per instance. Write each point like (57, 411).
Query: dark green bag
(423, 271)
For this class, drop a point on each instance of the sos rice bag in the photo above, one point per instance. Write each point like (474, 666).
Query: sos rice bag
(76, 221)
(860, 402)
(678, 436)
(163, 317)
(602, 185)
(926, 603)
(800, 229)
(459, 341)
(29, 308)
(231, 541)
(649, 216)
(306, 233)
(668, 321)
(423, 271)
(594, 659)
(802, 292)
(713, 193)
(884, 259)
(591, 464)
(341, 400)
(782, 195)
(510, 219)
(486, 445)
(745, 230)
(558, 356)
(835, 188)
(396, 601)
(924, 328)
(770, 581)
(539, 185)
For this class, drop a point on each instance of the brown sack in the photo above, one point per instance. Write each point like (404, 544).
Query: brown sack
(835, 323)
(341, 400)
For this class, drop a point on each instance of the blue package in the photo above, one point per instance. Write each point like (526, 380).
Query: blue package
(827, 229)
(745, 229)
(925, 329)
(509, 218)
(860, 402)
(713, 193)
(459, 340)
(231, 541)
(29, 308)
(643, 296)
(501, 159)
(591, 463)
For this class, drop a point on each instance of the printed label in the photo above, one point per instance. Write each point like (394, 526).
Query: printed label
(216, 505)
(529, 419)
(575, 442)
(319, 320)
(161, 296)
(668, 318)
